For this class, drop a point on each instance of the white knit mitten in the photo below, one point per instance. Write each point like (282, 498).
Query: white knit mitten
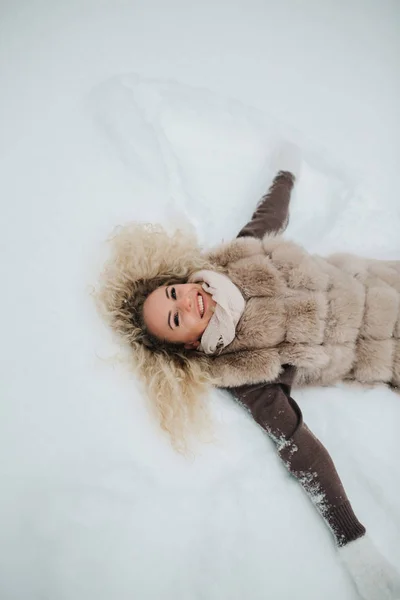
(374, 577)
(286, 157)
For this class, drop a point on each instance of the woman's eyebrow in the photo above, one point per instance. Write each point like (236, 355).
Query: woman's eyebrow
(166, 292)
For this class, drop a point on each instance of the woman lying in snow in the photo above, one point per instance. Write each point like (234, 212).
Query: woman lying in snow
(257, 316)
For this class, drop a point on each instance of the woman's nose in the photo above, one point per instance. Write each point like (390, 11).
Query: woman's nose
(185, 303)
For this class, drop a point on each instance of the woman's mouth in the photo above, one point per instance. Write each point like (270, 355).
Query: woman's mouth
(200, 303)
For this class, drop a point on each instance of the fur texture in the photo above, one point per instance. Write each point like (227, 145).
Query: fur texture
(334, 319)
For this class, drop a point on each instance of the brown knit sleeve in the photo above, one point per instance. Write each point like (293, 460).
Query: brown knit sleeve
(303, 454)
(272, 212)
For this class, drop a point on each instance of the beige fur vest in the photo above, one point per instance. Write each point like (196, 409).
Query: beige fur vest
(333, 319)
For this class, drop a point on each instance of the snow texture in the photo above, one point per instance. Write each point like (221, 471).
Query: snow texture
(375, 578)
(169, 111)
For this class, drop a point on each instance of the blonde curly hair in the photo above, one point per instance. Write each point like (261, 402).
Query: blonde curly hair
(144, 257)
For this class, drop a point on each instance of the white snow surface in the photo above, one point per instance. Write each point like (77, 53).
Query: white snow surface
(113, 111)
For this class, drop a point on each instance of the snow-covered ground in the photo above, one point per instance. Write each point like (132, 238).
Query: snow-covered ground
(168, 111)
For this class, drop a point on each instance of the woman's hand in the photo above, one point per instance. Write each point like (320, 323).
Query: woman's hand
(374, 577)
(287, 157)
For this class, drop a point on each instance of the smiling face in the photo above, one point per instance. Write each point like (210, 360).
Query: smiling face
(179, 313)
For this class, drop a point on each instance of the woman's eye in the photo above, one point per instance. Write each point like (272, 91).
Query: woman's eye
(173, 293)
(176, 320)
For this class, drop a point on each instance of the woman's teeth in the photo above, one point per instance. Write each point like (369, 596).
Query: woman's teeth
(201, 304)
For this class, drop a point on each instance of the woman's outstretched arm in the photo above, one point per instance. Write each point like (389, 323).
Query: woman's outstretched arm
(273, 408)
(304, 456)
(272, 212)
